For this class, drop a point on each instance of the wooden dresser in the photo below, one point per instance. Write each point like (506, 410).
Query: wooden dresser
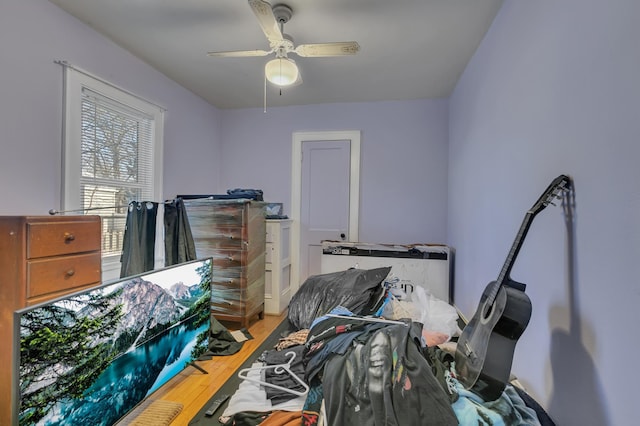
(41, 258)
(233, 233)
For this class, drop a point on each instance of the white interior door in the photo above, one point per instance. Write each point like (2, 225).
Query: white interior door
(324, 208)
(325, 196)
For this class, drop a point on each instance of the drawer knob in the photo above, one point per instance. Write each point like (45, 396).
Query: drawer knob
(71, 272)
(69, 237)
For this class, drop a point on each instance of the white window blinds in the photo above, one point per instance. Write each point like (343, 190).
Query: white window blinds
(116, 162)
(113, 155)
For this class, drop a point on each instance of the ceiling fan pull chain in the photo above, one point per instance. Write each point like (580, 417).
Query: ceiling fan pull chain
(265, 94)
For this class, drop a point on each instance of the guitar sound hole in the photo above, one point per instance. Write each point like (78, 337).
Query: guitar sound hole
(487, 311)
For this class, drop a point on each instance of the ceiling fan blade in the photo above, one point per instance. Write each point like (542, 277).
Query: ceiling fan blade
(342, 48)
(241, 53)
(267, 20)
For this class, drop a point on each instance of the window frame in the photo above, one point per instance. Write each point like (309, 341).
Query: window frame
(75, 81)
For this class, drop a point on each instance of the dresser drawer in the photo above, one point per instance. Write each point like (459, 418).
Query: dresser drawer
(206, 213)
(227, 283)
(228, 263)
(269, 252)
(47, 276)
(228, 301)
(59, 238)
(219, 237)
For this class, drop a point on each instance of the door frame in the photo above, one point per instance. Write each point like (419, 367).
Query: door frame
(296, 189)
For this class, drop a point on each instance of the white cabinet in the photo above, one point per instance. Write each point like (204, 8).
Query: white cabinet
(429, 266)
(277, 287)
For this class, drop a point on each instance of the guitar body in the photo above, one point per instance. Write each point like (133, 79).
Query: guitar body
(485, 349)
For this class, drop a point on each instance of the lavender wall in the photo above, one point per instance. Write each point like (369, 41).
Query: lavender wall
(554, 89)
(403, 161)
(34, 33)
(404, 144)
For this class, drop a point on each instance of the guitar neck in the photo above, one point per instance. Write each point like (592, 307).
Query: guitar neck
(561, 183)
(511, 257)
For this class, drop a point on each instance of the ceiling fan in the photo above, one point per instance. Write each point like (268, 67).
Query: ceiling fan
(283, 71)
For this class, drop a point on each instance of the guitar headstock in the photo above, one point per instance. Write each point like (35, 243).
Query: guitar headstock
(560, 184)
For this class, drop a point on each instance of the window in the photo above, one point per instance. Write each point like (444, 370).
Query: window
(112, 156)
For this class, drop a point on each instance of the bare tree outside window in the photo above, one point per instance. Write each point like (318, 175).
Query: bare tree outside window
(112, 144)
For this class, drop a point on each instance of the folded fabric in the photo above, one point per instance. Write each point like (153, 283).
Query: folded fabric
(296, 338)
(250, 396)
(283, 378)
(221, 341)
(283, 418)
(246, 418)
(253, 194)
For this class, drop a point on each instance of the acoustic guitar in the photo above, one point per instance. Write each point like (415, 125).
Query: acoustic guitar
(484, 352)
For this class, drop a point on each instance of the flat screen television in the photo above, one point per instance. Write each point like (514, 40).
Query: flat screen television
(89, 358)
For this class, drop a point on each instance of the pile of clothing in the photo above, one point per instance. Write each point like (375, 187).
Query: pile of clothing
(352, 367)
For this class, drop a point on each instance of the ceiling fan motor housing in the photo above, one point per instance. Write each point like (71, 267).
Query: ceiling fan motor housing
(282, 13)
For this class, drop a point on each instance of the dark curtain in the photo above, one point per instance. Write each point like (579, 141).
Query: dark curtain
(178, 240)
(139, 238)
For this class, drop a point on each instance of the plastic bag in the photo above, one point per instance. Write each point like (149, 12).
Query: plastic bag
(359, 290)
(396, 308)
(434, 314)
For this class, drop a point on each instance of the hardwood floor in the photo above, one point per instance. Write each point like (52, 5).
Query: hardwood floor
(193, 389)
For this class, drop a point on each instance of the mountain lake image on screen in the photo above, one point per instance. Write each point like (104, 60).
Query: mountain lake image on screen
(90, 357)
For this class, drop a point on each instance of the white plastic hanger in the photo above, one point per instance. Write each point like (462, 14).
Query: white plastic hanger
(368, 319)
(278, 369)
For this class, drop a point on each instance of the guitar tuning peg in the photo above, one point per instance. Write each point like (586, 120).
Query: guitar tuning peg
(552, 203)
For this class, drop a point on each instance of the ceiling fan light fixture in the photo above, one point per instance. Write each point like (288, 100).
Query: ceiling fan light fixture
(281, 72)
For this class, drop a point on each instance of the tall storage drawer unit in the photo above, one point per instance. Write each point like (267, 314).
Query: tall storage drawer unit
(232, 232)
(41, 258)
(278, 266)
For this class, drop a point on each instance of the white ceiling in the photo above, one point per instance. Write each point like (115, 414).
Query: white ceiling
(409, 49)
